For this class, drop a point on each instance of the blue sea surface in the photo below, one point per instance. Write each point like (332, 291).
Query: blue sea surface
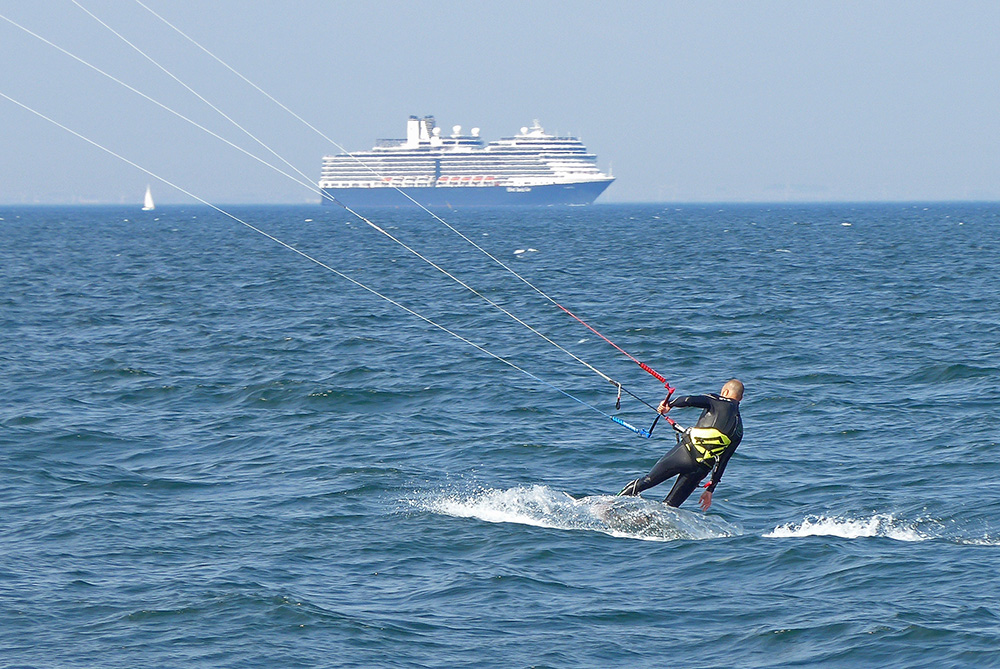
(215, 452)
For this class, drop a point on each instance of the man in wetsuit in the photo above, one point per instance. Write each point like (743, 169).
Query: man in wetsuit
(704, 448)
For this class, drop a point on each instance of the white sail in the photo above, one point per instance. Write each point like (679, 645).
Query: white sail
(147, 203)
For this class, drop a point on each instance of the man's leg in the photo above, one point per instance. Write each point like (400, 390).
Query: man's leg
(675, 462)
(684, 486)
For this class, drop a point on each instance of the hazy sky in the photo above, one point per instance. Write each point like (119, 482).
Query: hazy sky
(684, 101)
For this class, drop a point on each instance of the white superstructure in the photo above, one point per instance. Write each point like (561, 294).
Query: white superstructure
(428, 159)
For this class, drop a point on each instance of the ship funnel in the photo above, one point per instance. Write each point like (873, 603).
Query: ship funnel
(413, 131)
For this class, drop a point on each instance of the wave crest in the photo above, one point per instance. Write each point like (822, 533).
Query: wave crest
(878, 525)
(540, 506)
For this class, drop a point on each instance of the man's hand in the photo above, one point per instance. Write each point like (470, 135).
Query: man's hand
(705, 501)
(663, 408)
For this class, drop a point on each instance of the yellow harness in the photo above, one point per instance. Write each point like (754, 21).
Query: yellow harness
(706, 443)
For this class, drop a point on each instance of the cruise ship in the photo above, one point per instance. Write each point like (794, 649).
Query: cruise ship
(461, 170)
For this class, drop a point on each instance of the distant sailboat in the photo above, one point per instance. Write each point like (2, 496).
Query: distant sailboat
(147, 203)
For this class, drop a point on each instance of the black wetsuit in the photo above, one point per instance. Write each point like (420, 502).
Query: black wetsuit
(687, 461)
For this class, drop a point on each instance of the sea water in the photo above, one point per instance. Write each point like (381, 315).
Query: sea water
(217, 453)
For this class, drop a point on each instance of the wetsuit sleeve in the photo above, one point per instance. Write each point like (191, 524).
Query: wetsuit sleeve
(721, 467)
(700, 401)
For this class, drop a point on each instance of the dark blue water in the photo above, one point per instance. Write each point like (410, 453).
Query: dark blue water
(215, 453)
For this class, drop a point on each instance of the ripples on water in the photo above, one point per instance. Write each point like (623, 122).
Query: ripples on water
(216, 453)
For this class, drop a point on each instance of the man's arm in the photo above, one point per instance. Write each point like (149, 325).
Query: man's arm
(705, 501)
(700, 401)
(720, 467)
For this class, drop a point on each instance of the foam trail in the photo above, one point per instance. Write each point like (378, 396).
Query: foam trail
(878, 525)
(540, 506)
(980, 541)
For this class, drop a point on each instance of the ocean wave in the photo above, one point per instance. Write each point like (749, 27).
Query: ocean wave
(980, 541)
(940, 373)
(877, 525)
(541, 506)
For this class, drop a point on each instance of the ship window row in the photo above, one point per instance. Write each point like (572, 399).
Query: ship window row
(465, 169)
(480, 163)
(464, 182)
(457, 157)
(477, 165)
(444, 178)
(444, 182)
(437, 153)
(536, 149)
(450, 164)
(369, 176)
(456, 169)
(483, 182)
(571, 141)
(454, 148)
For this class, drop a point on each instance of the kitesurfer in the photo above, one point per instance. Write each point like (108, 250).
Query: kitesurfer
(701, 449)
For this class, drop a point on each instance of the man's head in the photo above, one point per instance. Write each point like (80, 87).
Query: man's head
(733, 390)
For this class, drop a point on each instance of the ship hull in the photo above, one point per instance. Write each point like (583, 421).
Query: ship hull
(580, 193)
